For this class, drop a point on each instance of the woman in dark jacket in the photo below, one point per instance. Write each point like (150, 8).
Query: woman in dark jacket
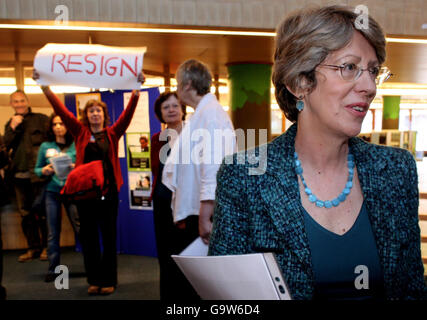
(340, 214)
(170, 112)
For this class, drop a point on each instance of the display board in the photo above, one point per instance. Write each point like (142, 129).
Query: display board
(138, 154)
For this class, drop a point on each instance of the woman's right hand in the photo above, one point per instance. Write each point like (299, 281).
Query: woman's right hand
(36, 75)
(141, 78)
(48, 170)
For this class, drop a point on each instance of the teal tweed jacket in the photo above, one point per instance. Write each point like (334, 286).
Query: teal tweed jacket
(263, 213)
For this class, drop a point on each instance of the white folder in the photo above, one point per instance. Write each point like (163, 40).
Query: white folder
(235, 277)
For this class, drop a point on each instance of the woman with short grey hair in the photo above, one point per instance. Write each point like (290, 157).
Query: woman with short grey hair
(340, 214)
(197, 74)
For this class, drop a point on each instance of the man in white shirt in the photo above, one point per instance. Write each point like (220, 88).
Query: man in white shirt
(190, 170)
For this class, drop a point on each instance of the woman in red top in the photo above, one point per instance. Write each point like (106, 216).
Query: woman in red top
(96, 141)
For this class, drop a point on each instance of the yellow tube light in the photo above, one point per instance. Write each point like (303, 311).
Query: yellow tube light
(128, 29)
(172, 30)
(406, 40)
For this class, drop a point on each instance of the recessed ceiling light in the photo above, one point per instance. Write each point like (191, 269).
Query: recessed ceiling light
(131, 29)
(406, 40)
(174, 30)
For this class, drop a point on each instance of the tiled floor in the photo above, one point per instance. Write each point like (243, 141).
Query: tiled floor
(138, 278)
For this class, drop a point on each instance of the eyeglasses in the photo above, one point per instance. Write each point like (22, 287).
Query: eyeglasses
(352, 72)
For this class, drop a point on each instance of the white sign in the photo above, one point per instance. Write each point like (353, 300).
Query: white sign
(140, 121)
(88, 65)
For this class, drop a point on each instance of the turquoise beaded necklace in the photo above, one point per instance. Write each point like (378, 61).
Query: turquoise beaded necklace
(328, 203)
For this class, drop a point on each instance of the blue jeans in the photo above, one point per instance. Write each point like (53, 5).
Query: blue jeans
(53, 213)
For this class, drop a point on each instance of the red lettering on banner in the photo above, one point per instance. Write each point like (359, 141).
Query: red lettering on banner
(59, 61)
(93, 63)
(124, 63)
(102, 63)
(73, 62)
(114, 68)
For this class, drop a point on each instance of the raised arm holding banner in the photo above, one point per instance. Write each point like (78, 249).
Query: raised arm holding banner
(96, 142)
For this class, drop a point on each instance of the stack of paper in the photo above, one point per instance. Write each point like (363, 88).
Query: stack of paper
(62, 165)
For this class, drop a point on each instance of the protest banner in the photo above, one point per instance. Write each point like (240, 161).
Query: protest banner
(88, 65)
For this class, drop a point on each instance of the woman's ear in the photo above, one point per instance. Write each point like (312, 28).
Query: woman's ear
(187, 86)
(302, 88)
(297, 93)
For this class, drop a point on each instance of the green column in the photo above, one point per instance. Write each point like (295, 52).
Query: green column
(391, 109)
(249, 92)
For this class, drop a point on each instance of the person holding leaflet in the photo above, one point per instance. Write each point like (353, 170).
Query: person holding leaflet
(59, 142)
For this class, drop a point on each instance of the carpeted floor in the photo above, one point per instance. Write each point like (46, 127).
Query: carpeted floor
(138, 278)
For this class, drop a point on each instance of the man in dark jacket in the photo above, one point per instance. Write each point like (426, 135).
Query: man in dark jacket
(24, 133)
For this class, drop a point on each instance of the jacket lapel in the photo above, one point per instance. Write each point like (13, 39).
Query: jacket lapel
(279, 190)
(373, 178)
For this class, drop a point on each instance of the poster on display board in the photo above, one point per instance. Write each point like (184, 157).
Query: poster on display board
(138, 147)
(138, 151)
(140, 121)
(140, 190)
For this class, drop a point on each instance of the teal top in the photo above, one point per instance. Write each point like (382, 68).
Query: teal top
(346, 267)
(46, 151)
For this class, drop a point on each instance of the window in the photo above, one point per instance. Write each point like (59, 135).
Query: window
(367, 123)
(404, 121)
(419, 120)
